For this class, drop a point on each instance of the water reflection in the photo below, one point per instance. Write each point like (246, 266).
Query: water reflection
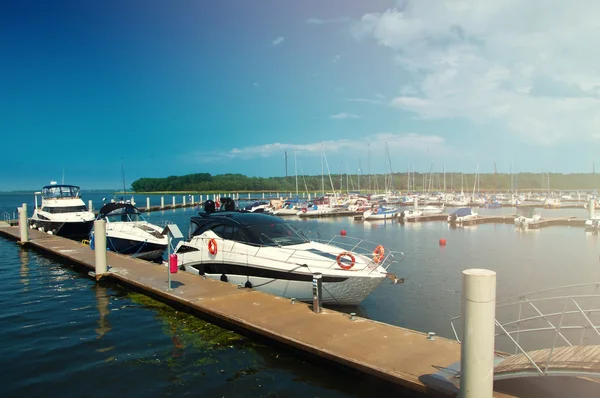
(102, 302)
(24, 270)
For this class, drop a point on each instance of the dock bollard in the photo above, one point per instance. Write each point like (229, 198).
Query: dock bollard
(592, 209)
(162, 202)
(183, 200)
(23, 223)
(173, 201)
(90, 205)
(478, 318)
(100, 247)
(147, 204)
(317, 285)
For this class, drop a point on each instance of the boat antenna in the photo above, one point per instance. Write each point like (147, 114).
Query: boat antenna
(123, 174)
(63, 176)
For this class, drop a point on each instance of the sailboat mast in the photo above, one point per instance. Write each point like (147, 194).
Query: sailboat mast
(123, 175)
(296, 171)
(322, 172)
(369, 164)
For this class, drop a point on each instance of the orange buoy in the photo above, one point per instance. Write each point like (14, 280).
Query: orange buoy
(442, 242)
(343, 232)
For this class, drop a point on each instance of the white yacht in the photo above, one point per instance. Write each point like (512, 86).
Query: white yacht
(128, 232)
(62, 212)
(264, 252)
(462, 215)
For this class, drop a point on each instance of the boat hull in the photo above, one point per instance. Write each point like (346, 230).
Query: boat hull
(336, 291)
(76, 230)
(136, 248)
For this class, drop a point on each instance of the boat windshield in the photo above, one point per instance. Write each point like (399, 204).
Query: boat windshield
(60, 191)
(125, 214)
(279, 234)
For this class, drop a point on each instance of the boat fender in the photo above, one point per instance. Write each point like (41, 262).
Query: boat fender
(375, 210)
(248, 285)
(304, 210)
(343, 265)
(223, 278)
(378, 254)
(212, 246)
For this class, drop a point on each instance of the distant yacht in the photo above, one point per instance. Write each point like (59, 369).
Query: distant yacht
(62, 212)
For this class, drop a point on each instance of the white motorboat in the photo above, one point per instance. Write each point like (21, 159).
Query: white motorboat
(380, 213)
(412, 214)
(552, 203)
(524, 218)
(464, 214)
(264, 252)
(127, 232)
(62, 212)
(259, 206)
(431, 209)
(289, 208)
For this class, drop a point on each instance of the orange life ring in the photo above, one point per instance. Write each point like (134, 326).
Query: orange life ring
(375, 210)
(212, 246)
(378, 254)
(304, 210)
(346, 266)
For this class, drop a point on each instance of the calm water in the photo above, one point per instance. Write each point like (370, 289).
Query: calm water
(63, 334)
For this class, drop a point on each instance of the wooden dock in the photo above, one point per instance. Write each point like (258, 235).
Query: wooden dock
(401, 356)
(563, 221)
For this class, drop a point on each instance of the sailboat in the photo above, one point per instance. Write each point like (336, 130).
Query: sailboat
(291, 207)
(551, 202)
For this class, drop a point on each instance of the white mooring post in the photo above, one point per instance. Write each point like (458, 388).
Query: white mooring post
(591, 209)
(147, 204)
(23, 223)
(478, 318)
(173, 201)
(162, 202)
(183, 200)
(192, 200)
(90, 206)
(100, 247)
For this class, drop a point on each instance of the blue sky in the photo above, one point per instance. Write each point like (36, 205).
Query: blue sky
(182, 87)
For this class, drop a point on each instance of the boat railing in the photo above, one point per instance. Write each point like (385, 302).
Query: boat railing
(132, 228)
(294, 256)
(548, 318)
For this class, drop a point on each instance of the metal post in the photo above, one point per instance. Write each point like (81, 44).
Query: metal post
(192, 200)
(183, 201)
(317, 286)
(173, 200)
(100, 247)
(592, 208)
(147, 204)
(162, 202)
(23, 223)
(90, 207)
(477, 350)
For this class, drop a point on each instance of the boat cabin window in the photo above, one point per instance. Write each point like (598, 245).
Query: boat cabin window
(232, 232)
(60, 191)
(279, 234)
(66, 209)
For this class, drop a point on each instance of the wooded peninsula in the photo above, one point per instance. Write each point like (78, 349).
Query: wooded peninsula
(205, 182)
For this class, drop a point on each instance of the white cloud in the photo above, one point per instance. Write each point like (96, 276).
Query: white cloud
(278, 41)
(344, 115)
(525, 67)
(336, 58)
(320, 21)
(399, 144)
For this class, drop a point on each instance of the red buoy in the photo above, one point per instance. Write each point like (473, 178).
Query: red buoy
(343, 232)
(442, 242)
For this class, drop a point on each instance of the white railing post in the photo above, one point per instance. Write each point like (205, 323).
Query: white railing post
(183, 200)
(477, 350)
(23, 223)
(100, 247)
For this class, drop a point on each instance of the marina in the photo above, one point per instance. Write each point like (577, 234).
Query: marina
(230, 304)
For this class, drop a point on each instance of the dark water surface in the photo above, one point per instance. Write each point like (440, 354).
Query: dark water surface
(62, 334)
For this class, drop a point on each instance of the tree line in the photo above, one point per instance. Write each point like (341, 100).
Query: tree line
(205, 182)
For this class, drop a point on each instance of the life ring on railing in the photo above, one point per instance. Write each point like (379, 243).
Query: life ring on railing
(375, 210)
(346, 266)
(85, 242)
(378, 254)
(304, 210)
(212, 246)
